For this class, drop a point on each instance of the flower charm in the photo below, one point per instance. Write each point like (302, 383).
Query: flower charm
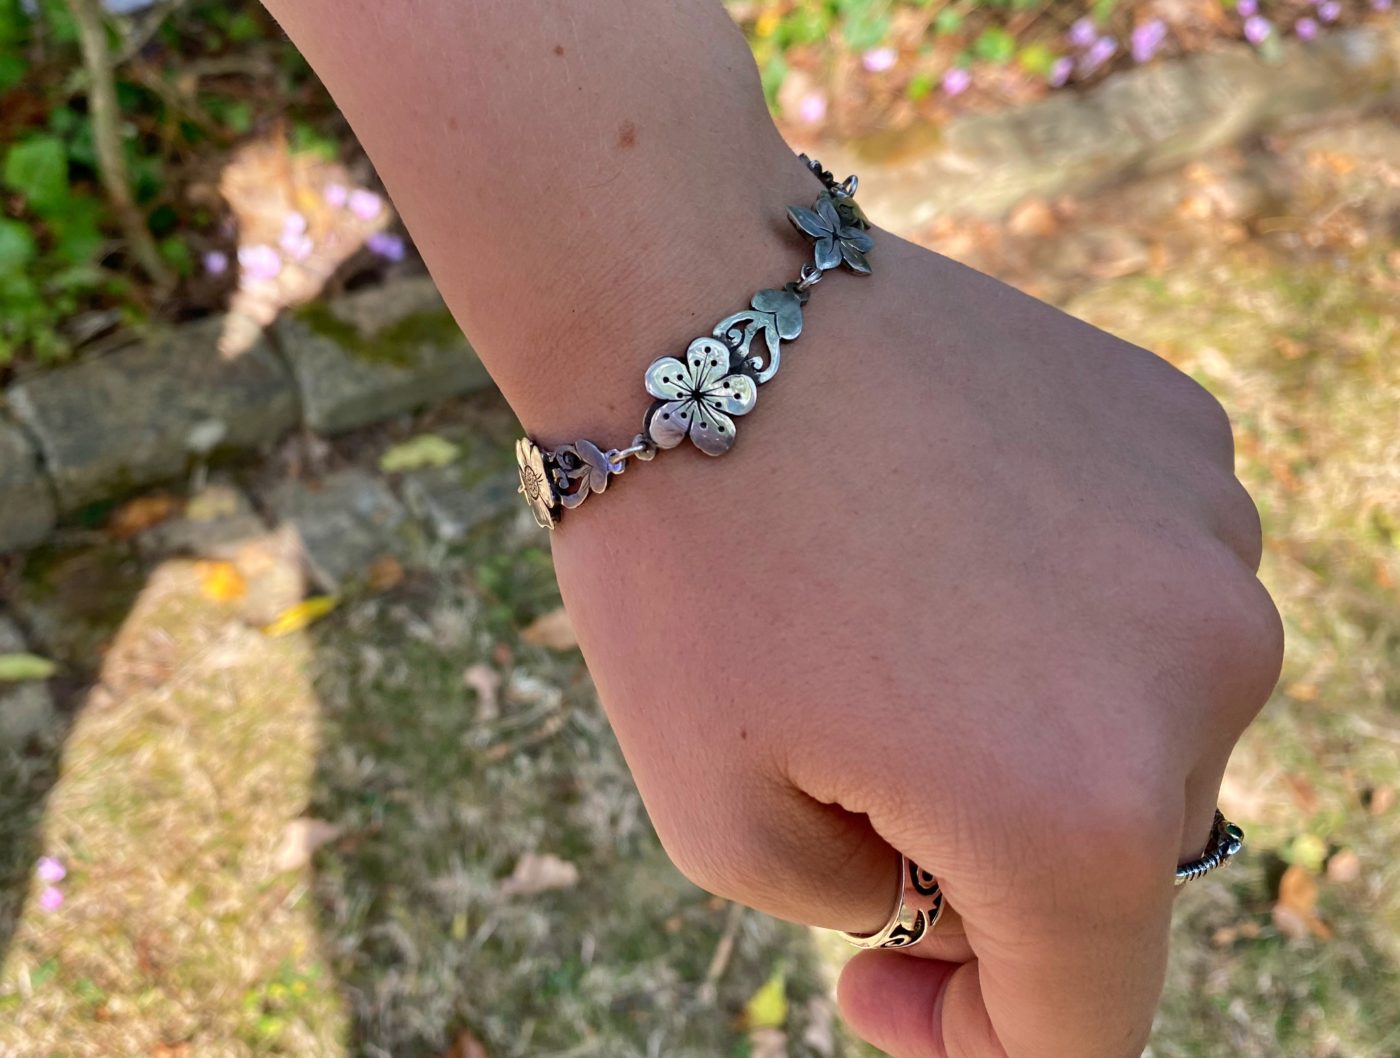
(535, 484)
(696, 397)
(838, 229)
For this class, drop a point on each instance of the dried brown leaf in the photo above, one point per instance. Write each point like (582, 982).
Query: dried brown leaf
(145, 512)
(486, 682)
(384, 573)
(1344, 866)
(300, 840)
(1295, 910)
(466, 1045)
(539, 873)
(554, 631)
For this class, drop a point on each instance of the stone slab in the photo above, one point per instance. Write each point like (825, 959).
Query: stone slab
(452, 506)
(146, 412)
(1142, 120)
(344, 523)
(217, 521)
(26, 502)
(370, 355)
(26, 709)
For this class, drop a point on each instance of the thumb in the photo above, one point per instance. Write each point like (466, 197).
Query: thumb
(917, 1008)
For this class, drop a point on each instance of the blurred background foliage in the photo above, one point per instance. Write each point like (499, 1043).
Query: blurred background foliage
(193, 78)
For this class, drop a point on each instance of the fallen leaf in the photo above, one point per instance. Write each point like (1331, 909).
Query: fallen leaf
(768, 1007)
(1304, 795)
(768, 1043)
(1295, 910)
(486, 682)
(300, 839)
(1344, 866)
(1032, 217)
(539, 873)
(385, 573)
(145, 512)
(1382, 798)
(1306, 850)
(425, 450)
(554, 630)
(295, 618)
(19, 668)
(221, 581)
(466, 1045)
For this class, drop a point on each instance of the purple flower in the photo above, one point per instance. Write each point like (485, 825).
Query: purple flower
(50, 899)
(956, 81)
(1306, 28)
(1060, 70)
(216, 262)
(336, 195)
(1257, 29)
(812, 109)
(1329, 10)
(1380, 5)
(259, 262)
(49, 870)
(1247, 8)
(1083, 32)
(1147, 38)
(878, 60)
(387, 245)
(295, 243)
(365, 204)
(1099, 53)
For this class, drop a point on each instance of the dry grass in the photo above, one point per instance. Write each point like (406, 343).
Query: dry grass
(180, 934)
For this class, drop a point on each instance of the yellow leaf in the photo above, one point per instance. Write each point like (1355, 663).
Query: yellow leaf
(425, 450)
(295, 618)
(17, 668)
(768, 1008)
(221, 581)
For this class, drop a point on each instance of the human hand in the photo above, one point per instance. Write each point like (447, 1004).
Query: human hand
(976, 584)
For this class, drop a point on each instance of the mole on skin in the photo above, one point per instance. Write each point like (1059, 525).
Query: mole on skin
(558, 49)
(627, 135)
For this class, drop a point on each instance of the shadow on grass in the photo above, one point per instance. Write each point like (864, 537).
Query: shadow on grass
(188, 743)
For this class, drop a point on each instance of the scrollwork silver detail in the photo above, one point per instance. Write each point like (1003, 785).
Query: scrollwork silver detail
(776, 315)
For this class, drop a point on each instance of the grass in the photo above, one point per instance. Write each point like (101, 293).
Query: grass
(186, 931)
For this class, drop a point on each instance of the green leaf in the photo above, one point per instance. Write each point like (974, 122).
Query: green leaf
(425, 450)
(18, 668)
(12, 68)
(16, 247)
(947, 21)
(1037, 58)
(77, 229)
(38, 169)
(995, 45)
(920, 85)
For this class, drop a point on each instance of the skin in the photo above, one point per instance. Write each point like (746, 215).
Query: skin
(976, 584)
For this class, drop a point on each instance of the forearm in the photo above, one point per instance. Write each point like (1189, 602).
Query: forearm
(591, 184)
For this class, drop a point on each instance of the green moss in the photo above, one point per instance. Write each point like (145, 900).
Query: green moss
(398, 344)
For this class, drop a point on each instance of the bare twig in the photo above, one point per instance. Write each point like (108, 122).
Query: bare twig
(106, 134)
(719, 962)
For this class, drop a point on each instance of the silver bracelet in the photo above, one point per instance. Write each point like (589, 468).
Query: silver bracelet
(698, 397)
